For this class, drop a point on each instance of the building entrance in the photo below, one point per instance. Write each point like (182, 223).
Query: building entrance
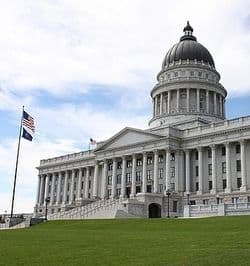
(154, 210)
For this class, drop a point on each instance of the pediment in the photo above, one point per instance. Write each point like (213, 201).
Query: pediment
(128, 137)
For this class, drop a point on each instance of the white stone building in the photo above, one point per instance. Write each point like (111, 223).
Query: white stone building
(190, 154)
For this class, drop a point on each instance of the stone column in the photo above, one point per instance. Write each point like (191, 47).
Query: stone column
(198, 100)
(207, 101)
(144, 176)
(228, 168)
(42, 189)
(188, 100)
(156, 156)
(123, 178)
(167, 169)
(79, 185)
(214, 177)
(187, 153)
(58, 192)
(161, 104)
(65, 189)
(86, 189)
(177, 170)
(46, 193)
(169, 102)
(243, 165)
(215, 103)
(95, 181)
(52, 192)
(178, 100)
(133, 185)
(38, 189)
(221, 107)
(114, 174)
(71, 196)
(200, 163)
(104, 179)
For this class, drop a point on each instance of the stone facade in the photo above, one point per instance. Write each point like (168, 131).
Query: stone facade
(190, 155)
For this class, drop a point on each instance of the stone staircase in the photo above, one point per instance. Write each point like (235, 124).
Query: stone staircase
(101, 209)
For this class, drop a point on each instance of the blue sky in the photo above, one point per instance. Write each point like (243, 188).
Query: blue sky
(85, 69)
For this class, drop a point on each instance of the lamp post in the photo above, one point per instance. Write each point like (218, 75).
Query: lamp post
(168, 193)
(47, 200)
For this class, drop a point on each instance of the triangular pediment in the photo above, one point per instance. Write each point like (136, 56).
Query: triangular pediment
(128, 137)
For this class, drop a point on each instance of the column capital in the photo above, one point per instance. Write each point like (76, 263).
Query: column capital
(227, 144)
(168, 149)
(199, 148)
(242, 141)
(155, 151)
(212, 146)
(134, 156)
(187, 151)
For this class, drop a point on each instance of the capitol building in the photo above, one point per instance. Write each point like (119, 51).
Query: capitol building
(190, 161)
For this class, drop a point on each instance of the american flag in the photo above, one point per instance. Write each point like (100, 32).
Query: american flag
(28, 121)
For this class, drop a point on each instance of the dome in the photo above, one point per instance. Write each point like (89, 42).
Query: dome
(188, 48)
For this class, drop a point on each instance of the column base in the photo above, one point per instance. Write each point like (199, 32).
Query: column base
(187, 193)
(213, 191)
(228, 190)
(243, 189)
(132, 196)
(199, 192)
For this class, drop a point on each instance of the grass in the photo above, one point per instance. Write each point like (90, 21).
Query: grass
(210, 241)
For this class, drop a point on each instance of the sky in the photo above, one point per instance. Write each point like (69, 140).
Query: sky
(85, 69)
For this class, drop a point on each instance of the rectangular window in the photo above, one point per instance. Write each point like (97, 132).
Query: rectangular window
(110, 180)
(210, 185)
(239, 182)
(119, 165)
(196, 155)
(248, 199)
(209, 153)
(196, 170)
(238, 165)
(224, 183)
(205, 201)
(149, 160)
(118, 179)
(74, 185)
(237, 148)
(172, 186)
(161, 188)
(160, 158)
(110, 166)
(197, 186)
(175, 205)
(172, 156)
(223, 151)
(210, 169)
(82, 185)
(192, 202)
(139, 162)
(223, 167)
(172, 171)
(149, 188)
(89, 183)
(128, 178)
(149, 175)
(129, 164)
(138, 189)
(118, 192)
(160, 173)
(235, 200)
(109, 193)
(138, 176)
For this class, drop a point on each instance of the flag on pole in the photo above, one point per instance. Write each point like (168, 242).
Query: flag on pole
(27, 135)
(28, 121)
(92, 141)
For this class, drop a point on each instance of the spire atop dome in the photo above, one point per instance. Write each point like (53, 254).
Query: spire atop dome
(188, 33)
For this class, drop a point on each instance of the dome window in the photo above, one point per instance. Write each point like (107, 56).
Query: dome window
(199, 74)
(176, 74)
(191, 73)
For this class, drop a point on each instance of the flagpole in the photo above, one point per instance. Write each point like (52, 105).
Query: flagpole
(17, 157)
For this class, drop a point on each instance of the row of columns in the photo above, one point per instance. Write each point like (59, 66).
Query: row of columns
(158, 103)
(44, 180)
(43, 184)
(214, 170)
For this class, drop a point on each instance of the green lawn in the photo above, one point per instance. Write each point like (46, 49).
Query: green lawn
(210, 241)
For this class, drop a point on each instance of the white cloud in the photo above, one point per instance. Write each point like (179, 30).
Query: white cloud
(53, 44)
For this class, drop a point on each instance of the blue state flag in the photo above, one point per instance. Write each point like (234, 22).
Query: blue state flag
(27, 135)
